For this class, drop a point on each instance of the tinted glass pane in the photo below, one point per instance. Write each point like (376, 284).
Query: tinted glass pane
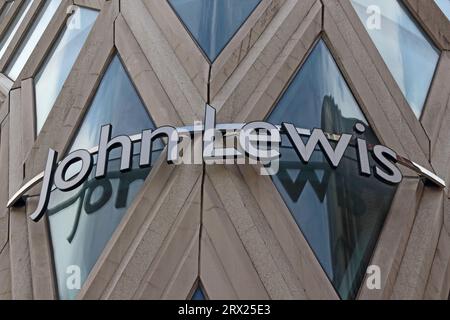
(407, 52)
(198, 294)
(5, 10)
(213, 22)
(56, 68)
(82, 221)
(33, 35)
(445, 6)
(339, 212)
(12, 29)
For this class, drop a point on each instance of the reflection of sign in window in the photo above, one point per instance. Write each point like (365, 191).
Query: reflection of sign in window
(111, 193)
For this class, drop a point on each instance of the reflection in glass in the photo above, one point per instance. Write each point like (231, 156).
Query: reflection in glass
(55, 70)
(198, 294)
(445, 7)
(82, 221)
(339, 212)
(407, 52)
(5, 10)
(32, 38)
(12, 29)
(213, 22)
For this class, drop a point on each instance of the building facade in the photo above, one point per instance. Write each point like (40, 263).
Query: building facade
(223, 230)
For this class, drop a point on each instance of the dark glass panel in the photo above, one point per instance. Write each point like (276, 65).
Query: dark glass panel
(198, 294)
(339, 211)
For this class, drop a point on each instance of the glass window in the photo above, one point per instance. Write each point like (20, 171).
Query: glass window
(5, 10)
(213, 23)
(56, 68)
(12, 29)
(445, 7)
(198, 294)
(408, 53)
(82, 221)
(32, 38)
(339, 212)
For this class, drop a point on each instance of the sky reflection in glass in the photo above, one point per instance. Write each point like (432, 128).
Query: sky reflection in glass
(445, 7)
(408, 53)
(32, 38)
(55, 70)
(12, 29)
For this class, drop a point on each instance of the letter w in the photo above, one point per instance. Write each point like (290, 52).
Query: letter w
(333, 156)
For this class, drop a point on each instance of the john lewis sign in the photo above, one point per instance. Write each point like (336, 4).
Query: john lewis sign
(255, 141)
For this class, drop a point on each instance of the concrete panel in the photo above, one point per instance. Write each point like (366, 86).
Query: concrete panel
(313, 280)
(185, 49)
(21, 284)
(176, 267)
(9, 18)
(236, 244)
(417, 262)
(393, 239)
(5, 274)
(242, 42)
(260, 78)
(438, 101)
(432, 20)
(144, 78)
(142, 234)
(178, 84)
(438, 284)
